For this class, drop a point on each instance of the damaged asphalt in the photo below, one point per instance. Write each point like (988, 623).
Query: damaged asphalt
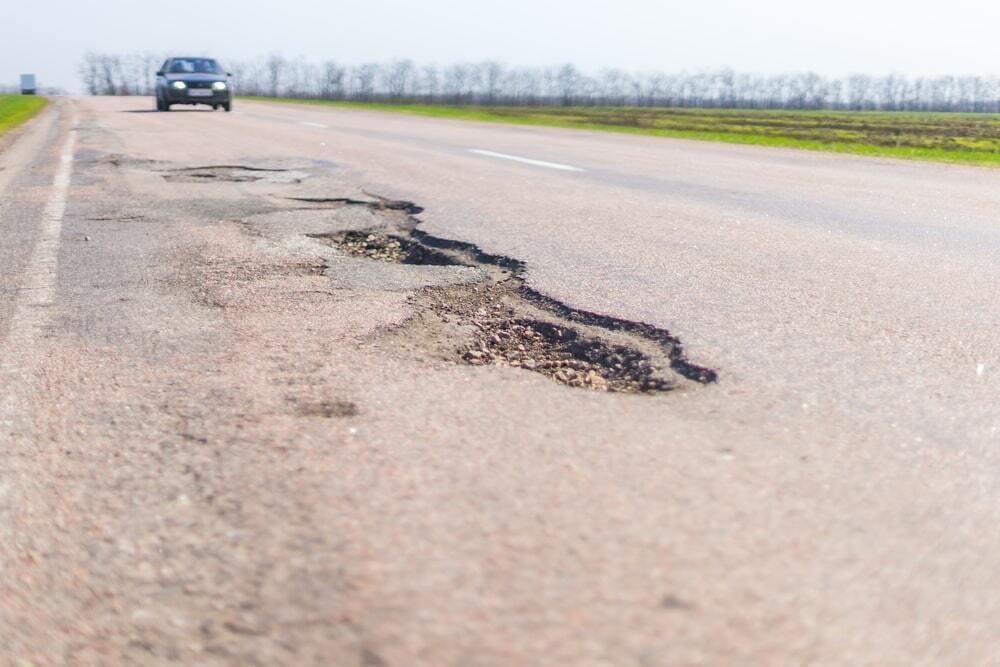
(568, 346)
(358, 398)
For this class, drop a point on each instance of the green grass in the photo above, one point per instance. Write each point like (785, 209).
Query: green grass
(943, 137)
(17, 109)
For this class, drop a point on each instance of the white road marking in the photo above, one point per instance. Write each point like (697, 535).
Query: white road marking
(35, 294)
(321, 125)
(525, 160)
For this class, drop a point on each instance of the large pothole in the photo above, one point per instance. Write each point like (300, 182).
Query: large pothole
(233, 174)
(502, 328)
(500, 321)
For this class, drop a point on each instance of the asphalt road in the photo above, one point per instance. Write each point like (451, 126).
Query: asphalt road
(226, 442)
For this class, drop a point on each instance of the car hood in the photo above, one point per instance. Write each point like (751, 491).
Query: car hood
(184, 76)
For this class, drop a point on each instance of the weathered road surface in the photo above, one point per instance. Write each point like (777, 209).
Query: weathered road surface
(225, 440)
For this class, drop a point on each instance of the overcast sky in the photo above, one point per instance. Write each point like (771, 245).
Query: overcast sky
(48, 37)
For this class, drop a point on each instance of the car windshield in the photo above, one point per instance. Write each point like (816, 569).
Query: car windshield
(194, 66)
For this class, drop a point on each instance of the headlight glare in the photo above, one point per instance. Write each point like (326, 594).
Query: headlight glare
(219, 85)
(179, 85)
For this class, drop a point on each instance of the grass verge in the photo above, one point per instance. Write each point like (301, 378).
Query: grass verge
(942, 137)
(18, 109)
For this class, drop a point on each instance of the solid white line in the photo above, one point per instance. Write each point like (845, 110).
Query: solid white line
(302, 122)
(35, 294)
(514, 158)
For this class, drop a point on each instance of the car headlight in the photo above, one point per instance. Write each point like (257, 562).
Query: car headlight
(219, 85)
(179, 85)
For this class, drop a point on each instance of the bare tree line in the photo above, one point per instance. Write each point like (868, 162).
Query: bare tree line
(494, 83)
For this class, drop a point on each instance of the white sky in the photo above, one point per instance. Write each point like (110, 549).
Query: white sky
(48, 37)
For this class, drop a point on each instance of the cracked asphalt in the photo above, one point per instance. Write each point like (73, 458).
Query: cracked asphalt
(225, 441)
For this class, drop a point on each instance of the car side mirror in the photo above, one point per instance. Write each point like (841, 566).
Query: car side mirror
(229, 73)
(160, 73)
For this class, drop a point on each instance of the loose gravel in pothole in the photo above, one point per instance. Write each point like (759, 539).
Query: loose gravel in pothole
(506, 332)
(385, 248)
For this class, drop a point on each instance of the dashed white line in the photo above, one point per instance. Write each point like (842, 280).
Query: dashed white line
(525, 160)
(308, 124)
(35, 293)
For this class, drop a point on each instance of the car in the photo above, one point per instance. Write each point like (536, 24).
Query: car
(193, 81)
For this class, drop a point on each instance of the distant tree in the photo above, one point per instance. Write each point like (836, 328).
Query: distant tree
(613, 87)
(567, 80)
(492, 79)
(90, 73)
(275, 67)
(331, 84)
(456, 80)
(363, 81)
(429, 83)
(398, 79)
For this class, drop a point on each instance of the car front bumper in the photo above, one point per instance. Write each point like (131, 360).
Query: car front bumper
(184, 96)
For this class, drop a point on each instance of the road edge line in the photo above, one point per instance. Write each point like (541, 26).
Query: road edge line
(36, 292)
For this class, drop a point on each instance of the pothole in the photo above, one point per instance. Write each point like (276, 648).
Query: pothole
(377, 203)
(327, 409)
(507, 330)
(233, 174)
(500, 321)
(385, 247)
